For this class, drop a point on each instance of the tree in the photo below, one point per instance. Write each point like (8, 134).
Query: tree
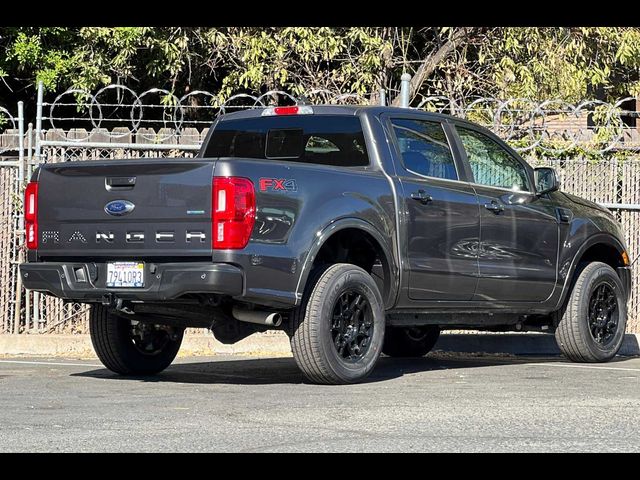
(458, 62)
(571, 64)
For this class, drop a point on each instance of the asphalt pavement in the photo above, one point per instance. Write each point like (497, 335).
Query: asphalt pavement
(444, 402)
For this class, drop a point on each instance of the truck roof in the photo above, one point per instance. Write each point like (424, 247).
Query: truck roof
(340, 110)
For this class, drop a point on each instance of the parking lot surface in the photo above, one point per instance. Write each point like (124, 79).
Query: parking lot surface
(444, 402)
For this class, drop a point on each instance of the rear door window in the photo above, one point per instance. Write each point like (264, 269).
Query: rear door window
(318, 139)
(424, 148)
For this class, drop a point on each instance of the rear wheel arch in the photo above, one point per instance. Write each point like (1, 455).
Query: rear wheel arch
(355, 231)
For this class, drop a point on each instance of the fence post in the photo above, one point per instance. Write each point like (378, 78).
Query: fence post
(39, 120)
(383, 97)
(21, 147)
(29, 150)
(405, 81)
(17, 313)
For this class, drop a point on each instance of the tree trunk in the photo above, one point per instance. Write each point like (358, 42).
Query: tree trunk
(428, 66)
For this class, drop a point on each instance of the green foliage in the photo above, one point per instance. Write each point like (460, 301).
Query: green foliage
(539, 63)
(302, 59)
(567, 63)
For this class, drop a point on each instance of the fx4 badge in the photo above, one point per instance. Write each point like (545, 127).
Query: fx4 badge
(278, 185)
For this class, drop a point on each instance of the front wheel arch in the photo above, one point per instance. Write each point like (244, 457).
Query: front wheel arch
(603, 240)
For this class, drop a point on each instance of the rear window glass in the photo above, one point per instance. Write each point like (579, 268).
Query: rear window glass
(285, 143)
(319, 139)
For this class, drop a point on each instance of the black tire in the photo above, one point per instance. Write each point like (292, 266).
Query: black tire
(579, 327)
(410, 341)
(122, 352)
(319, 348)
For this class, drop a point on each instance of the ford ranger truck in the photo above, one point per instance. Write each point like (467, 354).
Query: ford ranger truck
(356, 230)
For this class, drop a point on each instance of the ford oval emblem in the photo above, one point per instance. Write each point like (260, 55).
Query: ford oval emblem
(119, 207)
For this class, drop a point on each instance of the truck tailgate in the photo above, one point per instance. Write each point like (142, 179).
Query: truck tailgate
(125, 208)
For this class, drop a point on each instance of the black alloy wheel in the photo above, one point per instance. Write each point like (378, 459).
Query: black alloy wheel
(591, 326)
(352, 325)
(603, 314)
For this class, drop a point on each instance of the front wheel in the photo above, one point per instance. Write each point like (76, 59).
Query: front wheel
(130, 347)
(338, 331)
(592, 326)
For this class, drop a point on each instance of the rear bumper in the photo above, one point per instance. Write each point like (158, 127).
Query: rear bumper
(625, 276)
(86, 281)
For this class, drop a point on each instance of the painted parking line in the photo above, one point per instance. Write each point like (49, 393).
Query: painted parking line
(593, 367)
(30, 362)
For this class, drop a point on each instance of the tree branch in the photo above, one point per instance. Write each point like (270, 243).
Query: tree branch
(435, 58)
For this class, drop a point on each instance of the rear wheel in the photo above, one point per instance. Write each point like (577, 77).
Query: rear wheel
(592, 326)
(337, 332)
(130, 347)
(410, 341)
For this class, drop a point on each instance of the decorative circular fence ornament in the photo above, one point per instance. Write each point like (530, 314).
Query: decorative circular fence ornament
(483, 111)
(230, 103)
(513, 119)
(7, 118)
(553, 126)
(58, 103)
(172, 116)
(439, 104)
(273, 95)
(6, 115)
(189, 102)
(319, 96)
(347, 99)
(135, 119)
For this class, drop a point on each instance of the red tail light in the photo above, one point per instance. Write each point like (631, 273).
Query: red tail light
(285, 110)
(234, 212)
(291, 110)
(31, 215)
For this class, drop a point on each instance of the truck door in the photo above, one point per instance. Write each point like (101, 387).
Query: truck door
(441, 214)
(519, 232)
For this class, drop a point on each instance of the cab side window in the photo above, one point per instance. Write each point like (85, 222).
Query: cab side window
(491, 164)
(424, 148)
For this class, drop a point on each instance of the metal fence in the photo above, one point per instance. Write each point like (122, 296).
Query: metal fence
(12, 171)
(117, 122)
(117, 114)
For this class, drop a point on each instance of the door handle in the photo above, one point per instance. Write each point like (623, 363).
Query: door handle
(422, 197)
(494, 206)
(119, 183)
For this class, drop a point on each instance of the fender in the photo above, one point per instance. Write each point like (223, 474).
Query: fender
(389, 262)
(601, 237)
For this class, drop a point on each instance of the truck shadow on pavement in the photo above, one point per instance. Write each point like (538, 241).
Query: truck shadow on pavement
(284, 370)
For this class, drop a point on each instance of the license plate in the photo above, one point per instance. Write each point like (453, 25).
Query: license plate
(125, 274)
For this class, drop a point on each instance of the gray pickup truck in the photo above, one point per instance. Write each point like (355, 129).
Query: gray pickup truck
(356, 230)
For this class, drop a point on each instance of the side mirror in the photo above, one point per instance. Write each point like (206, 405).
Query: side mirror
(546, 180)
